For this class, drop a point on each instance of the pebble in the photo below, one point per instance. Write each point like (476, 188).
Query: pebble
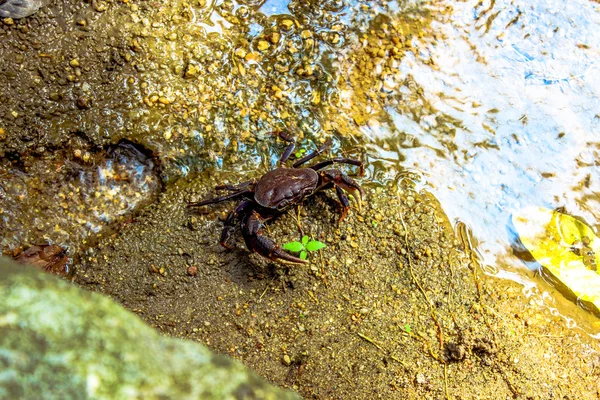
(287, 360)
(192, 270)
(263, 45)
(241, 53)
(84, 103)
(274, 38)
(74, 63)
(191, 71)
(306, 34)
(287, 24)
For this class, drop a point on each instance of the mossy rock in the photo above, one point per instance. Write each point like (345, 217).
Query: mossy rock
(60, 342)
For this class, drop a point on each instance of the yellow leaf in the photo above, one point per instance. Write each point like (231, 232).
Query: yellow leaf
(567, 248)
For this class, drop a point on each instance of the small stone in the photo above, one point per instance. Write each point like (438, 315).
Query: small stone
(192, 270)
(241, 53)
(263, 45)
(274, 37)
(287, 24)
(2, 134)
(99, 6)
(84, 103)
(9, 21)
(287, 360)
(74, 63)
(191, 71)
(253, 57)
(163, 100)
(305, 34)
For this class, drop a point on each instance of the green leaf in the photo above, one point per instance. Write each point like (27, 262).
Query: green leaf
(304, 240)
(566, 248)
(407, 328)
(315, 245)
(294, 247)
(303, 255)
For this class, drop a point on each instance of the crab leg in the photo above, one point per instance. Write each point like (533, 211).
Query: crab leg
(234, 188)
(263, 245)
(344, 200)
(312, 155)
(232, 219)
(220, 198)
(339, 160)
(284, 135)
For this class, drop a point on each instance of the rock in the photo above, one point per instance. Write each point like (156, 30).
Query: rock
(84, 103)
(20, 8)
(263, 45)
(64, 342)
(192, 270)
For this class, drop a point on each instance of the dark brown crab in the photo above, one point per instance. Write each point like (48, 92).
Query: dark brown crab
(277, 190)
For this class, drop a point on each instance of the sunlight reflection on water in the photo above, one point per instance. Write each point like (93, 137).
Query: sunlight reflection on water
(526, 92)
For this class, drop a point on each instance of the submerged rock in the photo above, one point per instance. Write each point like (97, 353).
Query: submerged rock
(67, 343)
(20, 8)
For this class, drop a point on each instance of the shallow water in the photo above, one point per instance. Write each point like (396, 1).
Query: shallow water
(519, 82)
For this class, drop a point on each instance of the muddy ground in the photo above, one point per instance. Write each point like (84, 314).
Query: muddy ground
(395, 307)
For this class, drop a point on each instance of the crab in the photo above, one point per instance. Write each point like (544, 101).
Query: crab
(275, 192)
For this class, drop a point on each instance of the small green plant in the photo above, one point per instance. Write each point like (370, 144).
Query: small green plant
(407, 328)
(299, 154)
(304, 246)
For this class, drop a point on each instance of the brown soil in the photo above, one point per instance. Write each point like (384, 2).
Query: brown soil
(392, 307)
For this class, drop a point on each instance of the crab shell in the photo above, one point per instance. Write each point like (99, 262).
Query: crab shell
(281, 187)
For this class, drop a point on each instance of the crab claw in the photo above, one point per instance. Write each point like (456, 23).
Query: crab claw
(357, 193)
(263, 245)
(346, 183)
